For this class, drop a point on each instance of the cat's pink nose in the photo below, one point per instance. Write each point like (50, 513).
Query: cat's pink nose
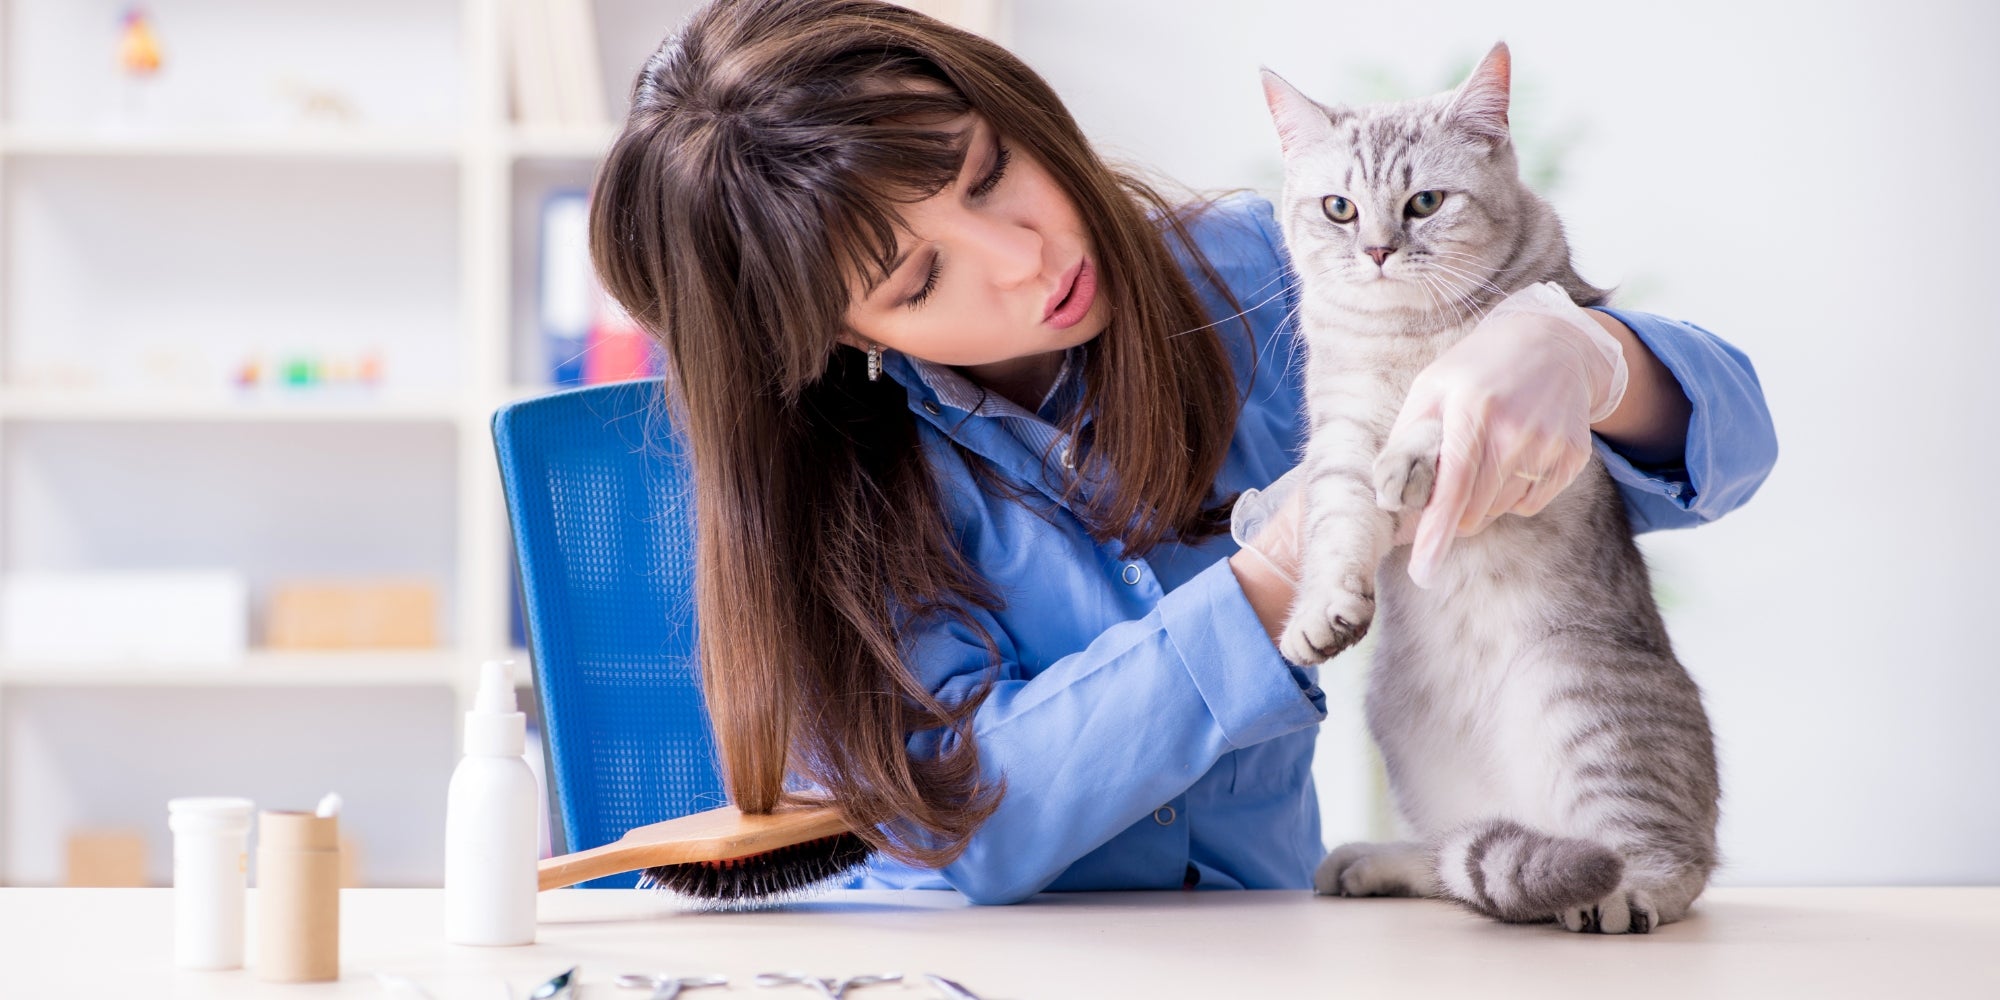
(1380, 254)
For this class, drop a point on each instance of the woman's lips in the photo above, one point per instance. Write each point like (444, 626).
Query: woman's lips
(1080, 290)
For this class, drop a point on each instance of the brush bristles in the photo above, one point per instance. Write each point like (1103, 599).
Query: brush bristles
(773, 876)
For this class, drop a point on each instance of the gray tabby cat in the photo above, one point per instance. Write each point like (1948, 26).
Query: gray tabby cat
(1540, 736)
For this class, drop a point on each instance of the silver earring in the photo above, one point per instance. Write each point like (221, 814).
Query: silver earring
(875, 363)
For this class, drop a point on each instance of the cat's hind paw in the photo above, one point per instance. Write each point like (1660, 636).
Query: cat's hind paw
(1625, 911)
(1319, 630)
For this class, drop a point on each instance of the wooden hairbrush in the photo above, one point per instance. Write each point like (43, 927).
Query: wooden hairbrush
(724, 855)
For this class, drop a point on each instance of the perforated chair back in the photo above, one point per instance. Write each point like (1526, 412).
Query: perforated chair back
(598, 492)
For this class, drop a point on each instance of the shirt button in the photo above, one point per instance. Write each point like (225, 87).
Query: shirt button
(1131, 573)
(1164, 816)
(930, 408)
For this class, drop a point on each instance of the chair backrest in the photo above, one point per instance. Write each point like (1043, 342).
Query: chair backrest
(598, 492)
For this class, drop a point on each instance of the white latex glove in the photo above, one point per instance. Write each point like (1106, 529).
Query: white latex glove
(1265, 523)
(1506, 413)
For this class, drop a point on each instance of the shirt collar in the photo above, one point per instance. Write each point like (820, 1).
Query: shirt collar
(953, 389)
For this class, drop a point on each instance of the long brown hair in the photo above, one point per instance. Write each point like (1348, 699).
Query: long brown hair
(760, 169)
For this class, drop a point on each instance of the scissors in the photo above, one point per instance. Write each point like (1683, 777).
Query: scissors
(667, 987)
(832, 989)
(951, 990)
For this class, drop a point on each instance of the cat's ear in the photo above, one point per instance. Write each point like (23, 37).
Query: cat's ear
(1301, 120)
(1480, 104)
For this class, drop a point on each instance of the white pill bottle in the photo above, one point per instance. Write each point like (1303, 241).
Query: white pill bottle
(492, 822)
(211, 879)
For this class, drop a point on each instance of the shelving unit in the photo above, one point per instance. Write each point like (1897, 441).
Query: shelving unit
(179, 245)
(412, 229)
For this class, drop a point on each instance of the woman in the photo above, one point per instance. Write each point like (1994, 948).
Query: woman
(968, 411)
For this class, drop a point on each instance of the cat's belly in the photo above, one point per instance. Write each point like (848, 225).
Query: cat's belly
(1461, 709)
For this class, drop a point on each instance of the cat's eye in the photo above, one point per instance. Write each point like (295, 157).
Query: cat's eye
(1338, 209)
(1424, 203)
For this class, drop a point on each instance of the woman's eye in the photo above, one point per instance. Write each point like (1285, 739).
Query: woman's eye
(1424, 203)
(930, 284)
(1338, 209)
(992, 180)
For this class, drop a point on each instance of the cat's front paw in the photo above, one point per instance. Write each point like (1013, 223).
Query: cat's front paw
(1324, 623)
(1406, 469)
(1374, 870)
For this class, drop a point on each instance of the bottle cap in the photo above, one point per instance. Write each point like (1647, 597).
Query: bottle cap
(209, 814)
(496, 687)
(495, 727)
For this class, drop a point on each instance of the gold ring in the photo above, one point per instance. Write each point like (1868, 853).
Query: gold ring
(1529, 476)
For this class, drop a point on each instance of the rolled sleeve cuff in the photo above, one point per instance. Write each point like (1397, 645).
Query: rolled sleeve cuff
(1730, 444)
(1251, 691)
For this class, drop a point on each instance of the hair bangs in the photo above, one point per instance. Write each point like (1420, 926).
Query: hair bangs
(888, 163)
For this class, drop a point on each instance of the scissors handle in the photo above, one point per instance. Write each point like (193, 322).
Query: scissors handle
(824, 986)
(950, 989)
(840, 988)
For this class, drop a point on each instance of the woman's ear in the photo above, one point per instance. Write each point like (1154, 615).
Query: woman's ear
(848, 338)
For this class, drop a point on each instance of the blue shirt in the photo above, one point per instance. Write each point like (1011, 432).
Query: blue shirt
(1148, 731)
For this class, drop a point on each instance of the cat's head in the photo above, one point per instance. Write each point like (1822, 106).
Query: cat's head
(1410, 205)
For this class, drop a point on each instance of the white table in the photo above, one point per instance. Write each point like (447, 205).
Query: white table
(1778, 943)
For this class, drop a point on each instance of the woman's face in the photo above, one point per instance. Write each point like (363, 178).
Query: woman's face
(994, 273)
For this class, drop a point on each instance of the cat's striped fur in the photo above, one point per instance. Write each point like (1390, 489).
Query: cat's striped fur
(1541, 738)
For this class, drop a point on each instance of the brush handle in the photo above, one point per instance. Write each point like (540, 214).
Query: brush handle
(715, 835)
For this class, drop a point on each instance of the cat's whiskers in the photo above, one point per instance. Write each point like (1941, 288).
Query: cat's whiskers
(1476, 282)
(1460, 311)
(1430, 292)
(1240, 313)
(1478, 263)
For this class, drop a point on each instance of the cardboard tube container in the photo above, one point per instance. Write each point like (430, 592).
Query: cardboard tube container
(298, 897)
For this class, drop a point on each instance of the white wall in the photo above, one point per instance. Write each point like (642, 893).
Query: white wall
(1814, 183)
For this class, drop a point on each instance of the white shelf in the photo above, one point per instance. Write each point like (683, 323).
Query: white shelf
(561, 143)
(133, 263)
(527, 143)
(255, 407)
(331, 143)
(358, 668)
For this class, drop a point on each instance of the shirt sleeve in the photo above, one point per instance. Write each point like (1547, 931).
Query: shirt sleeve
(1731, 443)
(1103, 736)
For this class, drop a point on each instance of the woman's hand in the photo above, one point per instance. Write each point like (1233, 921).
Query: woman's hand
(1505, 415)
(1265, 523)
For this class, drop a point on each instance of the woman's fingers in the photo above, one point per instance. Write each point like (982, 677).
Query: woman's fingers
(1562, 467)
(1514, 489)
(1458, 474)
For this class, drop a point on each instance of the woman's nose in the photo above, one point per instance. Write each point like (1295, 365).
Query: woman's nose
(1013, 249)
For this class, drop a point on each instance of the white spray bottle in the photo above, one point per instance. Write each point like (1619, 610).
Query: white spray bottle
(492, 839)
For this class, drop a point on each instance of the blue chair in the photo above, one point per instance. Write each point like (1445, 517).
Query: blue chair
(600, 497)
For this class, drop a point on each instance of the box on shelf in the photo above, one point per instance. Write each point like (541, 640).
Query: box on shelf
(361, 614)
(105, 859)
(124, 617)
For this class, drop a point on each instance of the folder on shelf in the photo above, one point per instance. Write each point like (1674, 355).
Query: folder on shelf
(567, 287)
(579, 71)
(556, 73)
(588, 337)
(531, 66)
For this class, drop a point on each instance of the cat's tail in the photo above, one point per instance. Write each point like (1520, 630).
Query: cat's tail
(1508, 871)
